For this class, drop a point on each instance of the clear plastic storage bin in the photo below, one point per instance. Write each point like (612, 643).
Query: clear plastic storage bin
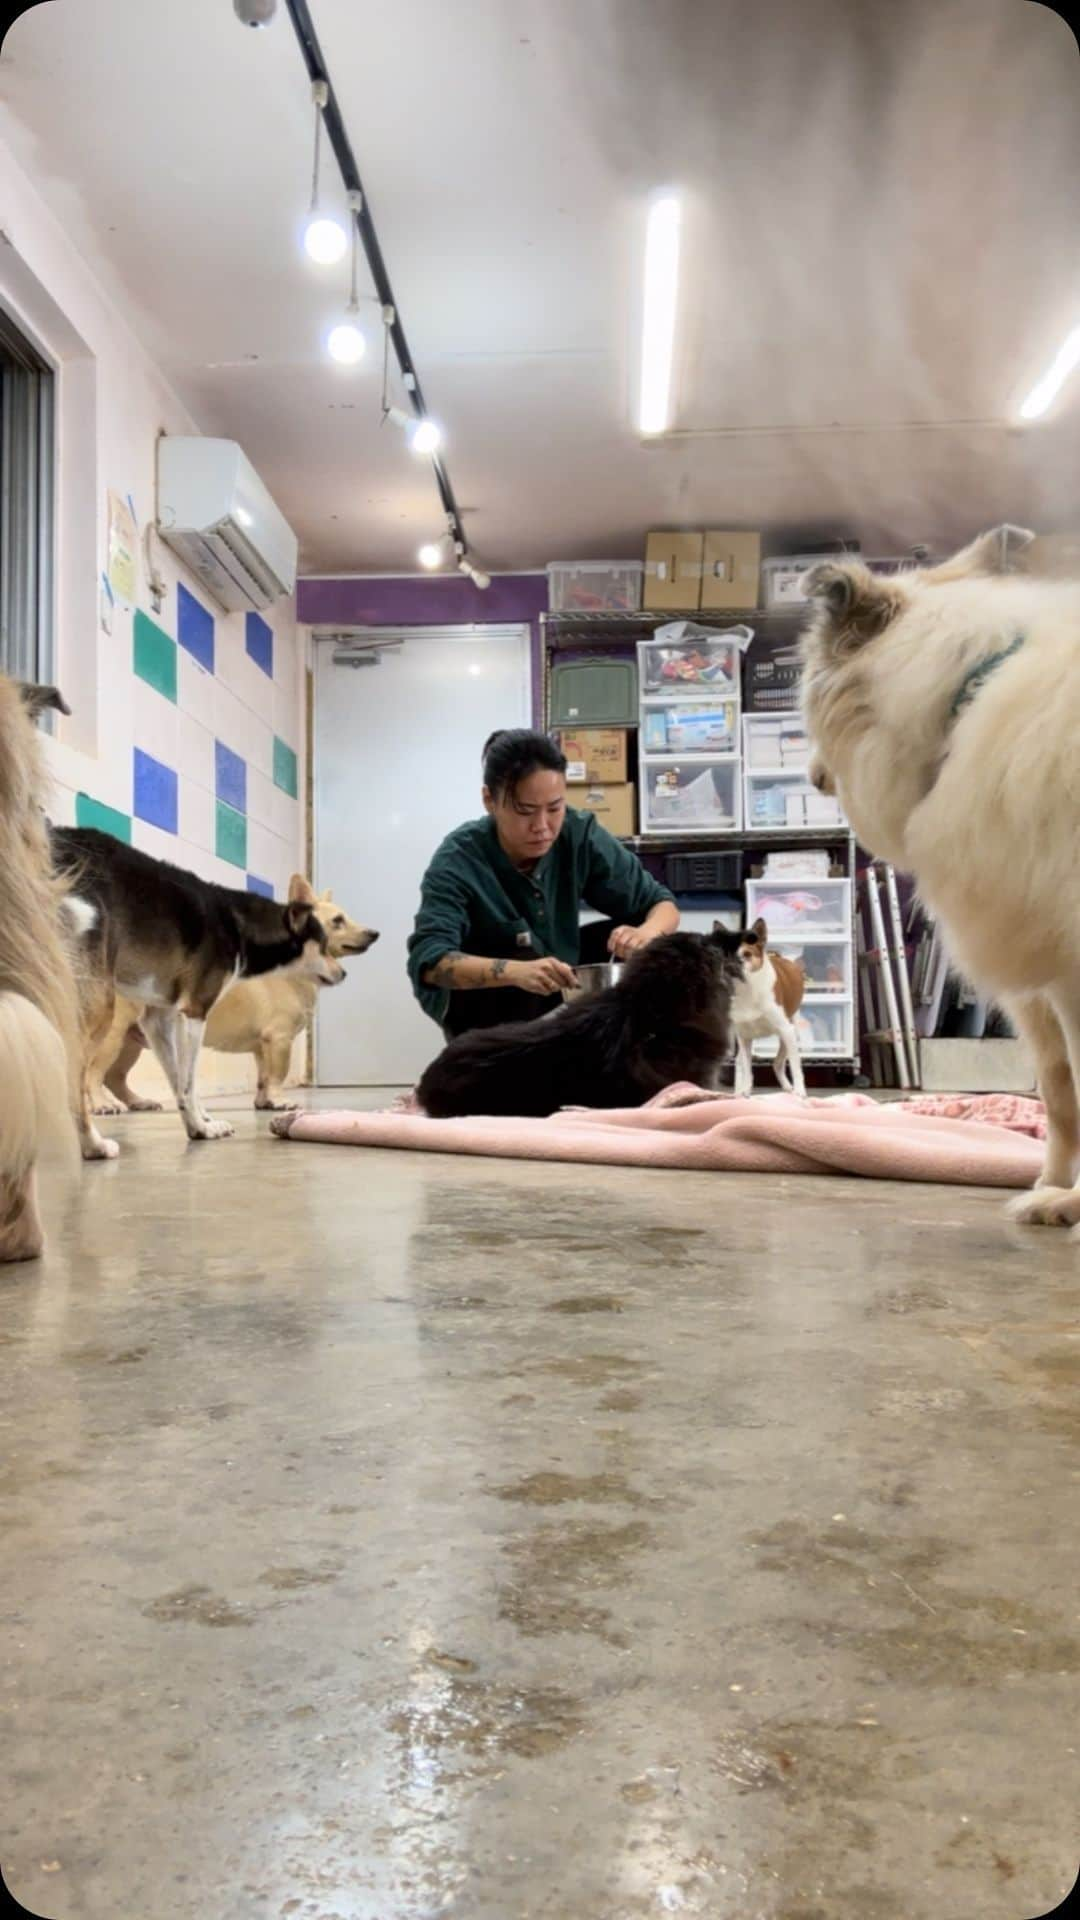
(686, 669)
(689, 796)
(689, 726)
(782, 577)
(826, 964)
(775, 743)
(788, 800)
(595, 586)
(825, 1033)
(799, 907)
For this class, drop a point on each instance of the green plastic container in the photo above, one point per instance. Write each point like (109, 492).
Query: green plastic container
(594, 693)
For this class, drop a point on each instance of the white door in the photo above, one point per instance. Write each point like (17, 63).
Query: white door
(397, 767)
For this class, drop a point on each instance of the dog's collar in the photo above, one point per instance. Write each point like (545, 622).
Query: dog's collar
(981, 671)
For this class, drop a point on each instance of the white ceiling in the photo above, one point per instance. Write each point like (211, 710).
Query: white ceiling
(881, 254)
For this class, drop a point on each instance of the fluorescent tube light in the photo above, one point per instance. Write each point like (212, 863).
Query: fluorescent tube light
(1046, 389)
(658, 319)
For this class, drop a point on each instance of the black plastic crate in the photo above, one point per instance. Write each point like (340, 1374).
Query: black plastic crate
(704, 872)
(772, 670)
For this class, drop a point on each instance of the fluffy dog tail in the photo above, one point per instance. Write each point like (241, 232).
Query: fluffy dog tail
(35, 1113)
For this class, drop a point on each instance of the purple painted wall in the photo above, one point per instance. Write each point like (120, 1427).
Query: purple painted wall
(433, 601)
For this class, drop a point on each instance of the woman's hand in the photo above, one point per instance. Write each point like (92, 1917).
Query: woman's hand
(545, 976)
(623, 941)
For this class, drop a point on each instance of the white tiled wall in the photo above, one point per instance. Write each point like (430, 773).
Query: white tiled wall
(177, 711)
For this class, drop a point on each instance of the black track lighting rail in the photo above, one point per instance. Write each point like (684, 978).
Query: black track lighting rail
(337, 134)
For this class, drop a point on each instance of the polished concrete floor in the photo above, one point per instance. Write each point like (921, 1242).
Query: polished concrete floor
(394, 1537)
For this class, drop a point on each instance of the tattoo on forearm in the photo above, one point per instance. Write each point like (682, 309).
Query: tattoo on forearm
(498, 968)
(446, 970)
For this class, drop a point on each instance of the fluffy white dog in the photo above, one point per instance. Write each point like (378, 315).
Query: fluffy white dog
(943, 707)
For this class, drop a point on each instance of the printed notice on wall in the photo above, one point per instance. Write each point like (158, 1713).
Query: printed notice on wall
(123, 546)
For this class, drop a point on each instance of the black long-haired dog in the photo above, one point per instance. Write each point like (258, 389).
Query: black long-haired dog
(666, 1018)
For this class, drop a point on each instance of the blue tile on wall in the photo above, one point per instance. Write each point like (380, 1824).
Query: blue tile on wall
(230, 777)
(255, 885)
(195, 628)
(259, 639)
(155, 790)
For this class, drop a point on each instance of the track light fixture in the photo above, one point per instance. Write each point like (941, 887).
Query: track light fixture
(325, 239)
(345, 342)
(423, 436)
(476, 574)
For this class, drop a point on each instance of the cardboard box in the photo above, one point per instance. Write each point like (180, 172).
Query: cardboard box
(1052, 556)
(595, 756)
(730, 570)
(614, 806)
(673, 564)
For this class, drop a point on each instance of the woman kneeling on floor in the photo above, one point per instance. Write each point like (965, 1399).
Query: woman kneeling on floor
(498, 933)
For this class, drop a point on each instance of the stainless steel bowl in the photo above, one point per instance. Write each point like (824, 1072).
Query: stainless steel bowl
(593, 979)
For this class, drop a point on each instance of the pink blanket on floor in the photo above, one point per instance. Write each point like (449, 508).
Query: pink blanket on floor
(684, 1127)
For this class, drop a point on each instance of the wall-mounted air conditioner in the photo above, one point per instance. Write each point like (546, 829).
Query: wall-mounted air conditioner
(214, 511)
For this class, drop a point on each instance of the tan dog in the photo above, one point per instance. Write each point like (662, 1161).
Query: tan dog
(765, 1002)
(261, 1016)
(943, 708)
(39, 1032)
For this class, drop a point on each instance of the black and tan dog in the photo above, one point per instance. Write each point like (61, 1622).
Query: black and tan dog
(175, 943)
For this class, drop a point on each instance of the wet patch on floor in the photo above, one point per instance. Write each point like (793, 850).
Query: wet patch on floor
(914, 1299)
(589, 1303)
(839, 1551)
(943, 1655)
(449, 1662)
(555, 1570)
(621, 1400)
(290, 1579)
(1062, 1421)
(557, 1489)
(91, 1356)
(591, 1369)
(485, 1721)
(200, 1605)
(1059, 1363)
(953, 1636)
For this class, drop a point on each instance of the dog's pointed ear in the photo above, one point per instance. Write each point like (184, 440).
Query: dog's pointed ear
(37, 700)
(997, 551)
(835, 583)
(856, 603)
(300, 903)
(760, 929)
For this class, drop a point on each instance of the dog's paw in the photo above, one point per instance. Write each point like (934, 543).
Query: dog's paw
(210, 1130)
(277, 1106)
(21, 1243)
(138, 1105)
(96, 1147)
(1055, 1176)
(1046, 1207)
(108, 1104)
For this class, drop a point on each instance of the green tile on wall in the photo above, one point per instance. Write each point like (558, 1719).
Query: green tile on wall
(231, 835)
(284, 767)
(155, 656)
(91, 813)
